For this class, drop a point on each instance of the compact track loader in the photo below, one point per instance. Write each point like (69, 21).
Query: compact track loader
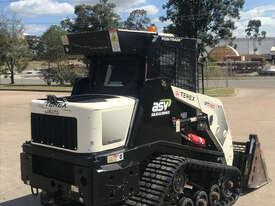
(136, 132)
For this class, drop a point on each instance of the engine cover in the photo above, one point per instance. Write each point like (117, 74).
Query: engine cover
(82, 124)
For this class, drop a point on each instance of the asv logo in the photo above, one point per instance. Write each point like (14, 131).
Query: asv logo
(160, 108)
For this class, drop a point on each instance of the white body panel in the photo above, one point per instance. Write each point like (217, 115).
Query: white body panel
(101, 125)
(212, 107)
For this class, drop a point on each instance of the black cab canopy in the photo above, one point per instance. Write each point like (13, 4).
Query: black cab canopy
(157, 55)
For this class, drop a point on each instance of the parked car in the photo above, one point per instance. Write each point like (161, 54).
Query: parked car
(268, 70)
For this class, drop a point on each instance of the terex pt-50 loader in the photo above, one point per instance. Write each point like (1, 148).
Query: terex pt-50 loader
(135, 132)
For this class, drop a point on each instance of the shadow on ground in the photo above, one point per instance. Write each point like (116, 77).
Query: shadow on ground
(23, 201)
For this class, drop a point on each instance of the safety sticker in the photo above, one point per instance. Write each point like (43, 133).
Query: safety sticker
(115, 158)
(74, 188)
(65, 40)
(178, 125)
(114, 41)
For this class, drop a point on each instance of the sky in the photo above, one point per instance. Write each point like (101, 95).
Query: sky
(38, 15)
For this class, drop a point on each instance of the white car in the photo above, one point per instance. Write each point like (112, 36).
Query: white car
(268, 70)
(31, 73)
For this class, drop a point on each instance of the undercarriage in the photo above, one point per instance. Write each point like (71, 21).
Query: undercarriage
(173, 180)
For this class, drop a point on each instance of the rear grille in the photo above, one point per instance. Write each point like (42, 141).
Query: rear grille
(54, 131)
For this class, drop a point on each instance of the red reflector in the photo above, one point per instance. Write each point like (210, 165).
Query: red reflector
(196, 139)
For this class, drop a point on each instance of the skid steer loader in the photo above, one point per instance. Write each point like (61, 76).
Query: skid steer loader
(136, 131)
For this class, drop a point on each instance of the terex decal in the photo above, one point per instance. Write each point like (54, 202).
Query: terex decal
(161, 108)
(185, 95)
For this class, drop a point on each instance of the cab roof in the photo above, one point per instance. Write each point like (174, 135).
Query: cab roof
(112, 42)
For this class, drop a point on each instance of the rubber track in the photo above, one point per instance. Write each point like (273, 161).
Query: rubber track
(158, 174)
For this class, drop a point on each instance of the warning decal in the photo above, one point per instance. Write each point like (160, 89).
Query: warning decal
(114, 41)
(115, 158)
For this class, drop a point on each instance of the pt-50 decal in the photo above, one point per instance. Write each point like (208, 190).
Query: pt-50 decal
(161, 108)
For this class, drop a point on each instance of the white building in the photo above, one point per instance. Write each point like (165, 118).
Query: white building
(249, 46)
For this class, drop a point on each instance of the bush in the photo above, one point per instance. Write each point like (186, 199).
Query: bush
(63, 74)
(4, 71)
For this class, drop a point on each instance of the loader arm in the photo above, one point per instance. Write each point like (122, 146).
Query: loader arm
(213, 108)
(247, 156)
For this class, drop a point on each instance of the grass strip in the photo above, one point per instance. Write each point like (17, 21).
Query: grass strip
(36, 88)
(210, 92)
(221, 92)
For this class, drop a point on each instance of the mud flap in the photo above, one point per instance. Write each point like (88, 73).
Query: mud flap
(248, 157)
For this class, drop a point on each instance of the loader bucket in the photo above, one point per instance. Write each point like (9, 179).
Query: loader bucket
(248, 157)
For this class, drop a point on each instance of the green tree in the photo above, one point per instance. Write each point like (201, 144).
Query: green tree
(101, 16)
(33, 42)
(253, 32)
(253, 29)
(50, 47)
(51, 50)
(208, 20)
(14, 50)
(137, 20)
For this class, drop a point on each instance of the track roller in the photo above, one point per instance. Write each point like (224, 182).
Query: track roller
(229, 190)
(179, 181)
(201, 198)
(185, 201)
(227, 187)
(46, 199)
(214, 195)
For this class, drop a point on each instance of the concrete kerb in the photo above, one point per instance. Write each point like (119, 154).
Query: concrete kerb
(65, 91)
(35, 90)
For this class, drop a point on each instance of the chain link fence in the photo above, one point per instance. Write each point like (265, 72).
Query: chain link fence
(215, 76)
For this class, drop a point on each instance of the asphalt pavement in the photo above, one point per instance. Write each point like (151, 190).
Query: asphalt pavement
(250, 111)
(246, 82)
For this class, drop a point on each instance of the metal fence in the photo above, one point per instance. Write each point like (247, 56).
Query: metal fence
(215, 76)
